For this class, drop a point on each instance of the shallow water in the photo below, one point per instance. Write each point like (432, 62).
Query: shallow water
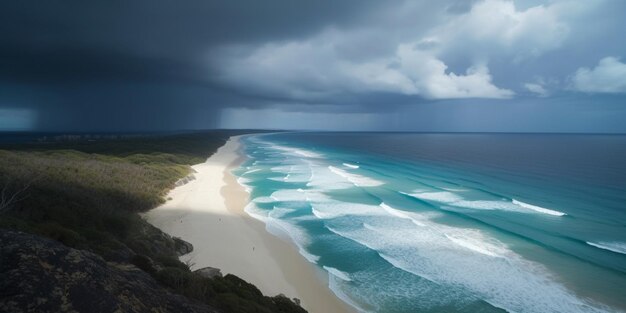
(443, 222)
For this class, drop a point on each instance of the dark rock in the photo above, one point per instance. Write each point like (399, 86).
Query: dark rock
(42, 275)
(150, 240)
(209, 272)
(145, 263)
(182, 247)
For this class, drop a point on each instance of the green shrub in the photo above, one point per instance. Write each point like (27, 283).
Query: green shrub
(230, 302)
(174, 277)
(117, 224)
(144, 263)
(284, 304)
(57, 232)
(172, 262)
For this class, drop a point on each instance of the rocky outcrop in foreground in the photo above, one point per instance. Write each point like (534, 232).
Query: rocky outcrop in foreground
(42, 275)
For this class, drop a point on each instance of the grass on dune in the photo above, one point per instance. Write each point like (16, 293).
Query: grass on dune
(86, 194)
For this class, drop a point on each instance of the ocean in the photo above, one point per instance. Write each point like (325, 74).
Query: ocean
(406, 222)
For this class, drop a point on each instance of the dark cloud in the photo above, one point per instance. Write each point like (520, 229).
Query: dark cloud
(87, 65)
(146, 39)
(157, 64)
(136, 64)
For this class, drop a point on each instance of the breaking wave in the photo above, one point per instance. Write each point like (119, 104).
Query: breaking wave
(617, 247)
(302, 194)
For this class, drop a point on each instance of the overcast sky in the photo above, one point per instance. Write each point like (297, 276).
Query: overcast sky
(451, 65)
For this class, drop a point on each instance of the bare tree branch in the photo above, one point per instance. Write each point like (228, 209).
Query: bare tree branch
(10, 197)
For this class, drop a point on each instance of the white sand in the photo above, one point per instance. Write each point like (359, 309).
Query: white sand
(208, 213)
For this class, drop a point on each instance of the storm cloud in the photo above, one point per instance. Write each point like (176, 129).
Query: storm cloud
(361, 65)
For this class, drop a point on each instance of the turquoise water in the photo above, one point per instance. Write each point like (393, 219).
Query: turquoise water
(450, 223)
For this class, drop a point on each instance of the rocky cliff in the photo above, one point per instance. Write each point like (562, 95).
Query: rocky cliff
(41, 275)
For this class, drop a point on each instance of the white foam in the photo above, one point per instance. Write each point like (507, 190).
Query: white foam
(337, 273)
(324, 179)
(455, 200)
(464, 258)
(289, 195)
(489, 205)
(480, 246)
(469, 239)
(294, 173)
(263, 200)
(614, 246)
(281, 179)
(298, 178)
(398, 263)
(454, 189)
(334, 284)
(298, 236)
(315, 196)
(308, 154)
(244, 183)
(358, 180)
(537, 208)
(335, 209)
(281, 169)
(438, 196)
(400, 214)
(321, 215)
(252, 171)
(312, 258)
(498, 205)
(279, 212)
(256, 212)
(350, 165)
(297, 151)
(244, 180)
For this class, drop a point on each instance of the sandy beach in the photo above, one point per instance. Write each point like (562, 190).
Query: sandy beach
(208, 213)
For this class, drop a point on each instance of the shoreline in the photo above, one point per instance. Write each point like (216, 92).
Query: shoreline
(209, 213)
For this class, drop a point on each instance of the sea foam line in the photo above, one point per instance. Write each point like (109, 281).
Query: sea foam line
(283, 229)
(456, 200)
(333, 284)
(470, 243)
(537, 208)
(617, 247)
(297, 151)
(358, 180)
(252, 171)
(337, 273)
(400, 214)
(243, 182)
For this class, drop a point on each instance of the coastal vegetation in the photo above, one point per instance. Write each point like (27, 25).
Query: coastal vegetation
(87, 194)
